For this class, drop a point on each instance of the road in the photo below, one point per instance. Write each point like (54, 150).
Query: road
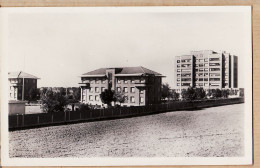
(209, 132)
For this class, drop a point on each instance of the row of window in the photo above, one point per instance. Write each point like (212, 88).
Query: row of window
(184, 65)
(198, 84)
(20, 80)
(125, 89)
(132, 80)
(97, 98)
(184, 60)
(199, 60)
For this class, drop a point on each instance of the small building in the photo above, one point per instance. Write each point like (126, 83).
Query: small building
(139, 85)
(20, 84)
(16, 107)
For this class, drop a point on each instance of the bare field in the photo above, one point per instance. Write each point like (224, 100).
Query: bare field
(209, 132)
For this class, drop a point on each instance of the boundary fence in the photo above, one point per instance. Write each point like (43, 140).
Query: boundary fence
(45, 119)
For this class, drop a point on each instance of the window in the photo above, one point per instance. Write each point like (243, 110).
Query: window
(97, 81)
(102, 89)
(97, 89)
(178, 79)
(178, 84)
(186, 79)
(214, 59)
(178, 61)
(103, 81)
(125, 81)
(91, 81)
(141, 99)
(142, 80)
(206, 60)
(214, 79)
(178, 70)
(132, 99)
(214, 64)
(214, 69)
(97, 98)
(206, 69)
(125, 89)
(91, 89)
(178, 66)
(141, 91)
(206, 64)
(118, 89)
(185, 84)
(132, 89)
(133, 81)
(90, 97)
(118, 81)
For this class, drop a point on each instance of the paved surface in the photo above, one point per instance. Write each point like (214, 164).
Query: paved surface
(210, 132)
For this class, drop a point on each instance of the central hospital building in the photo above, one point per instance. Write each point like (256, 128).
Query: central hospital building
(140, 85)
(206, 69)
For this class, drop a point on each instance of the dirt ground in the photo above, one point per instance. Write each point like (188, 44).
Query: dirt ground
(210, 132)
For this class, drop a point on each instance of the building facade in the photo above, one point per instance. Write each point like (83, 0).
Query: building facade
(139, 85)
(20, 84)
(207, 69)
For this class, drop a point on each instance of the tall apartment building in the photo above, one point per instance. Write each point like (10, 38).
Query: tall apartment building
(20, 84)
(140, 85)
(206, 69)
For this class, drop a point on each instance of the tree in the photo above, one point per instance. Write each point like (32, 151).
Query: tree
(175, 95)
(34, 94)
(76, 91)
(188, 94)
(200, 93)
(107, 96)
(166, 91)
(225, 93)
(53, 101)
(216, 93)
(120, 97)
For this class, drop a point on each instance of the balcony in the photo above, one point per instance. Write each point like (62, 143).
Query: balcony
(84, 85)
(16, 84)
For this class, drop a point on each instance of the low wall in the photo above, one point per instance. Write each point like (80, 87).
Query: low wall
(45, 119)
(16, 107)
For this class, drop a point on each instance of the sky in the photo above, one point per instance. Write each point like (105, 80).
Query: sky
(60, 46)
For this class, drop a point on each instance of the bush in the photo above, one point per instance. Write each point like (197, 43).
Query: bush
(84, 107)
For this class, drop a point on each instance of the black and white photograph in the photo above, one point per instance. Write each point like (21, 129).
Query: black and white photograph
(115, 86)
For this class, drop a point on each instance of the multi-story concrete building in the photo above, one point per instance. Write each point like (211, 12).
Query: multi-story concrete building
(206, 69)
(140, 85)
(20, 84)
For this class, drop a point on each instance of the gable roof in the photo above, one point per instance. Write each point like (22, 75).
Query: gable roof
(21, 74)
(121, 71)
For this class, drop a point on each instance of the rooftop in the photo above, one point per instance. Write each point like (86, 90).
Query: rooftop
(21, 74)
(120, 71)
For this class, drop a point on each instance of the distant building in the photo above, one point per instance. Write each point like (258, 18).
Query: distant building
(20, 84)
(206, 69)
(140, 85)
